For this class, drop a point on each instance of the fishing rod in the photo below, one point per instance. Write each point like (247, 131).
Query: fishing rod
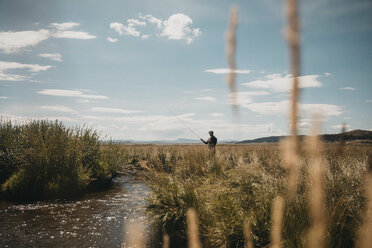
(184, 123)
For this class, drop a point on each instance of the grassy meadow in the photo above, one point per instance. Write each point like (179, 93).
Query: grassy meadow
(240, 184)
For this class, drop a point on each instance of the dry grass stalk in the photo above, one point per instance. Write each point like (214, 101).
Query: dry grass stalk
(294, 45)
(230, 53)
(277, 222)
(291, 162)
(290, 146)
(247, 235)
(316, 233)
(166, 240)
(136, 235)
(365, 232)
(193, 229)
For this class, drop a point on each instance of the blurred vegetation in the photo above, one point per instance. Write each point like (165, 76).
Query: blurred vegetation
(240, 184)
(44, 159)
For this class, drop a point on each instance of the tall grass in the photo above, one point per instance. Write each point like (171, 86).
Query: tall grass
(45, 159)
(240, 185)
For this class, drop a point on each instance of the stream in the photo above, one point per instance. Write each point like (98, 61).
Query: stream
(99, 219)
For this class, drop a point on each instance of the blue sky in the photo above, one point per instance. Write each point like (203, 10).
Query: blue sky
(146, 70)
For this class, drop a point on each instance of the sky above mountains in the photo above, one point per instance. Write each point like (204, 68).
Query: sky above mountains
(149, 70)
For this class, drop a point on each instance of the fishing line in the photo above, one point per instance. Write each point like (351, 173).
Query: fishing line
(183, 123)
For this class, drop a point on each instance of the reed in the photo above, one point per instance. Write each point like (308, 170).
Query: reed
(290, 145)
(291, 162)
(166, 241)
(316, 234)
(193, 229)
(277, 222)
(230, 53)
(248, 235)
(365, 237)
(294, 48)
(135, 235)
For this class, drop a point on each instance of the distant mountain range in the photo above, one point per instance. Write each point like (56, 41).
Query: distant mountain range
(166, 142)
(176, 141)
(362, 136)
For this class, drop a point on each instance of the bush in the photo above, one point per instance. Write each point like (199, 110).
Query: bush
(44, 159)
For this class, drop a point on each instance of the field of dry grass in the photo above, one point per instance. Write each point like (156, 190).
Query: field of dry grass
(239, 186)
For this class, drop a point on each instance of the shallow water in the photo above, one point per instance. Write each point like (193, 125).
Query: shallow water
(99, 219)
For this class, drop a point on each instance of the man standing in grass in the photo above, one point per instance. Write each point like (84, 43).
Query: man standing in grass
(211, 142)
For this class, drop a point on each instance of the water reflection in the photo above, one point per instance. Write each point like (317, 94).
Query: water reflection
(97, 220)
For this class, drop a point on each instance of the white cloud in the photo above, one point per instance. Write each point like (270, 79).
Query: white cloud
(52, 56)
(282, 108)
(14, 118)
(62, 31)
(129, 30)
(304, 123)
(83, 100)
(73, 35)
(327, 74)
(145, 36)
(206, 98)
(216, 114)
(64, 25)
(25, 119)
(227, 70)
(136, 22)
(177, 28)
(347, 88)
(12, 77)
(117, 26)
(4, 66)
(59, 108)
(112, 40)
(70, 93)
(15, 65)
(11, 42)
(153, 20)
(340, 127)
(279, 83)
(114, 110)
(245, 97)
(3, 97)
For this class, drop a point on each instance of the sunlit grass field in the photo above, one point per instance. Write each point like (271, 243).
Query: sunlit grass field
(240, 184)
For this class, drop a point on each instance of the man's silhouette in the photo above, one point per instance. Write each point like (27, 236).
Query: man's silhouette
(211, 142)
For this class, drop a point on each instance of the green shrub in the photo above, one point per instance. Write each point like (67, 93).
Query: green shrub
(44, 159)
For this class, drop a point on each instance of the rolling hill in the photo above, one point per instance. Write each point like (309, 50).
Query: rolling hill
(362, 136)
